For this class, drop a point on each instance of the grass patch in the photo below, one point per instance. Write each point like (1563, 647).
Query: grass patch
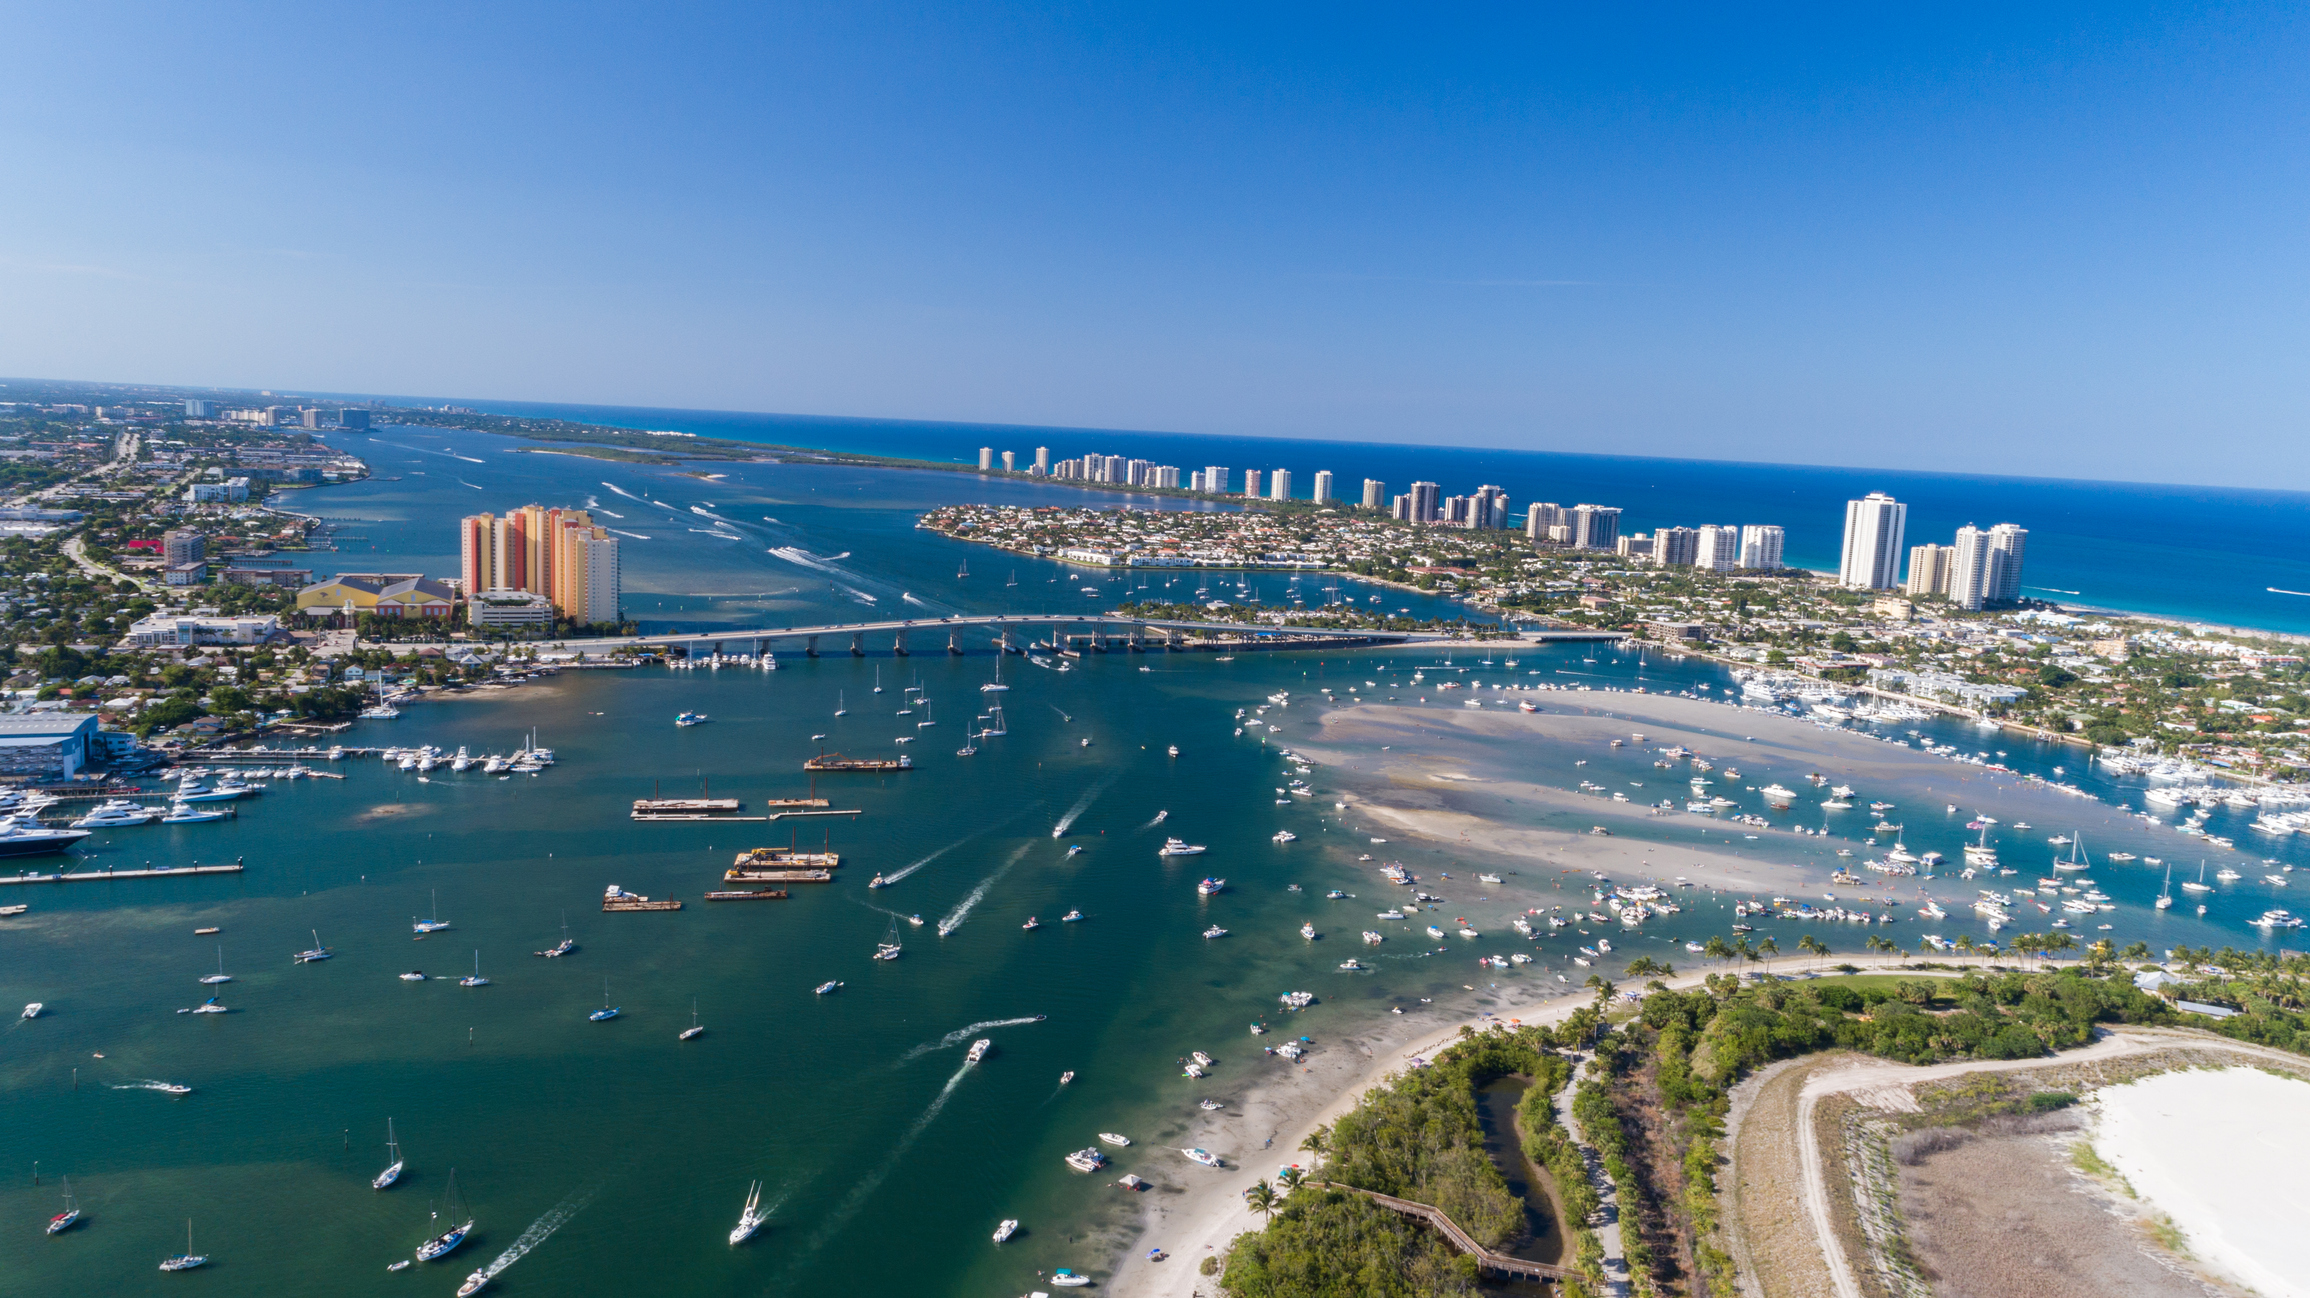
(2086, 1159)
(2169, 1236)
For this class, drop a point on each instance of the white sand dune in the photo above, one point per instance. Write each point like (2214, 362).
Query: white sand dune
(2226, 1154)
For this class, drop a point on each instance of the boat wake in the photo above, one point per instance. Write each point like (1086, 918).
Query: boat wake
(717, 533)
(463, 483)
(553, 1220)
(960, 1035)
(804, 559)
(636, 535)
(910, 869)
(860, 595)
(609, 513)
(1082, 805)
(145, 1084)
(833, 1222)
(622, 491)
(908, 596)
(955, 917)
(1160, 817)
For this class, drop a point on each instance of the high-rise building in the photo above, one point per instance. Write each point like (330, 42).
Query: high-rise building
(1114, 468)
(1010, 461)
(1279, 485)
(1969, 568)
(1215, 480)
(1426, 498)
(1375, 494)
(1675, 547)
(1719, 548)
(309, 417)
(1167, 476)
(1195, 480)
(1043, 460)
(1596, 527)
(195, 408)
(1928, 570)
(1761, 547)
(1322, 492)
(557, 553)
(1401, 508)
(1488, 507)
(353, 419)
(1542, 516)
(1873, 532)
(2007, 542)
(1251, 483)
(183, 545)
(986, 458)
(1453, 511)
(1638, 546)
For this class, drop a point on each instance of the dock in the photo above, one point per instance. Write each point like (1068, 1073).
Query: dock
(700, 806)
(156, 872)
(748, 894)
(723, 820)
(794, 802)
(786, 857)
(837, 762)
(781, 815)
(778, 876)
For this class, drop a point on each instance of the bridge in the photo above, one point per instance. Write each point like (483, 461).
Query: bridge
(1486, 1259)
(1097, 631)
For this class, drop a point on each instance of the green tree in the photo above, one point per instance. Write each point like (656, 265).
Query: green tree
(1262, 1199)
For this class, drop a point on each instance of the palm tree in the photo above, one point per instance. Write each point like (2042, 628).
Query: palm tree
(1812, 946)
(1318, 1142)
(1965, 944)
(1292, 1178)
(1766, 950)
(1718, 950)
(1262, 1199)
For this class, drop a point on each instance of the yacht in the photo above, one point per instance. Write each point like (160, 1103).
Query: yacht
(435, 924)
(1087, 1159)
(1214, 931)
(1391, 914)
(1009, 1227)
(1180, 847)
(1307, 931)
(494, 764)
(114, 814)
(181, 814)
(1210, 887)
(828, 988)
(1286, 836)
(979, 1050)
(442, 1244)
(750, 1218)
(62, 1221)
(385, 1179)
(188, 1259)
(463, 761)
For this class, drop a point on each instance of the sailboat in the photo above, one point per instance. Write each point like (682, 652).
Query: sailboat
(751, 1217)
(188, 1259)
(565, 946)
(392, 1172)
(2166, 894)
(440, 1245)
(220, 976)
(2198, 885)
(315, 952)
(878, 678)
(435, 924)
(605, 1012)
(964, 571)
(695, 1029)
(1014, 578)
(889, 947)
(476, 980)
(2076, 859)
(841, 707)
(62, 1221)
(995, 686)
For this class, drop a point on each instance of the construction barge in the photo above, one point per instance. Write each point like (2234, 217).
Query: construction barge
(837, 762)
(156, 872)
(748, 894)
(795, 803)
(777, 876)
(786, 857)
(615, 898)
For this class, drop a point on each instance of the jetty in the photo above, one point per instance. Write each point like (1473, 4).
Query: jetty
(1486, 1259)
(152, 872)
(837, 762)
(748, 894)
(615, 898)
(777, 876)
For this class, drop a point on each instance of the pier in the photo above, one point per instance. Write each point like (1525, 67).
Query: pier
(154, 872)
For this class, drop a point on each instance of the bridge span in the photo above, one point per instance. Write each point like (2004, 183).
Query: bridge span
(1013, 631)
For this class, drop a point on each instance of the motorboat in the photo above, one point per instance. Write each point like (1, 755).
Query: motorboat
(23, 835)
(1351, 964)
(414, 976)
(750, 1218)
(1214, 931)
(473, 1284)
(1391, 914)
(1074, 849)
(1066, 1077)
(1064, 1278)
(691, 719)
(1087, 1159)
(829, 988)
(1204, 1157)
(978, 1050)
(1372, 939)
(1112, 1138)
(1071, 917)
(113, 814)
(1032, 924)
(1010, 1225)
(181, 814)
(1211, 886)
(1180, 847)
(1487, 878)
(1307, 931)
(1286, 836)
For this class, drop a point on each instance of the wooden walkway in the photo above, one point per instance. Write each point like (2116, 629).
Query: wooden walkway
(1460, 1239)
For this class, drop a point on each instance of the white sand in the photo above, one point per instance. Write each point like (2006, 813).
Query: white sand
(2226, 1154)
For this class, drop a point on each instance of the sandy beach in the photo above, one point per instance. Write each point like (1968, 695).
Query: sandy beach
(2226, 1154)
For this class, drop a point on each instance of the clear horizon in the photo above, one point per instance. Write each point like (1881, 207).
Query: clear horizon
(2017, 242)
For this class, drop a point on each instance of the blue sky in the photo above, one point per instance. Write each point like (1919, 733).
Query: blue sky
(2027, 239)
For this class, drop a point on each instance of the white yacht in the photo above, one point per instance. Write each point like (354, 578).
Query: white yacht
(1286, 836)
(1010, 1225)
(1307, 931)
(113, 814)
(750, 1218)
(1181, 847)
(1214, 931)
(979, 1050)
(1211, 887)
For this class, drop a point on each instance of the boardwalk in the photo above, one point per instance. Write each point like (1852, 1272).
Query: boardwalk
(1460, 1239)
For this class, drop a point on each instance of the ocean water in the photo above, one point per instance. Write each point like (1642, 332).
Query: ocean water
(2204, 553)
(609, 1157)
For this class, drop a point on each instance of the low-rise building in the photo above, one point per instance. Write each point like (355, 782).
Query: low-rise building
(382, 594)
(509, 610)
(46, 746)
(176, 630)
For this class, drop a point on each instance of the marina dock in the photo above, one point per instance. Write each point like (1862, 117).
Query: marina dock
(748, 894)
(156, 872)
(776, 876)
(726, 820)
(833, 811)
(692, 806)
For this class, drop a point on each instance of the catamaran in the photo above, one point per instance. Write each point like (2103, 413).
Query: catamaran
(385, 1179)
(750, 1218)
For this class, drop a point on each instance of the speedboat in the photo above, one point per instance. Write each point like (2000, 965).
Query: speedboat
(1351, 964)
(413, 976)
(690, 719)
(1180, 847)
(1307, 931)
(1031, 924)
(1071, 917)
(473, 1284)
(1215, 931)
(1372, 938)
(1074, 848)
(1205, 1157)
(979, 1050)
(1010, 1225)
(1066, 1077)
(750, 1218)
(828, 988)
(1087, 1159)
(1112, 1138)
(1210, 886)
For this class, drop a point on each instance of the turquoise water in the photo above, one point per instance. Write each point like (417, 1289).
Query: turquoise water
(886, 1162)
